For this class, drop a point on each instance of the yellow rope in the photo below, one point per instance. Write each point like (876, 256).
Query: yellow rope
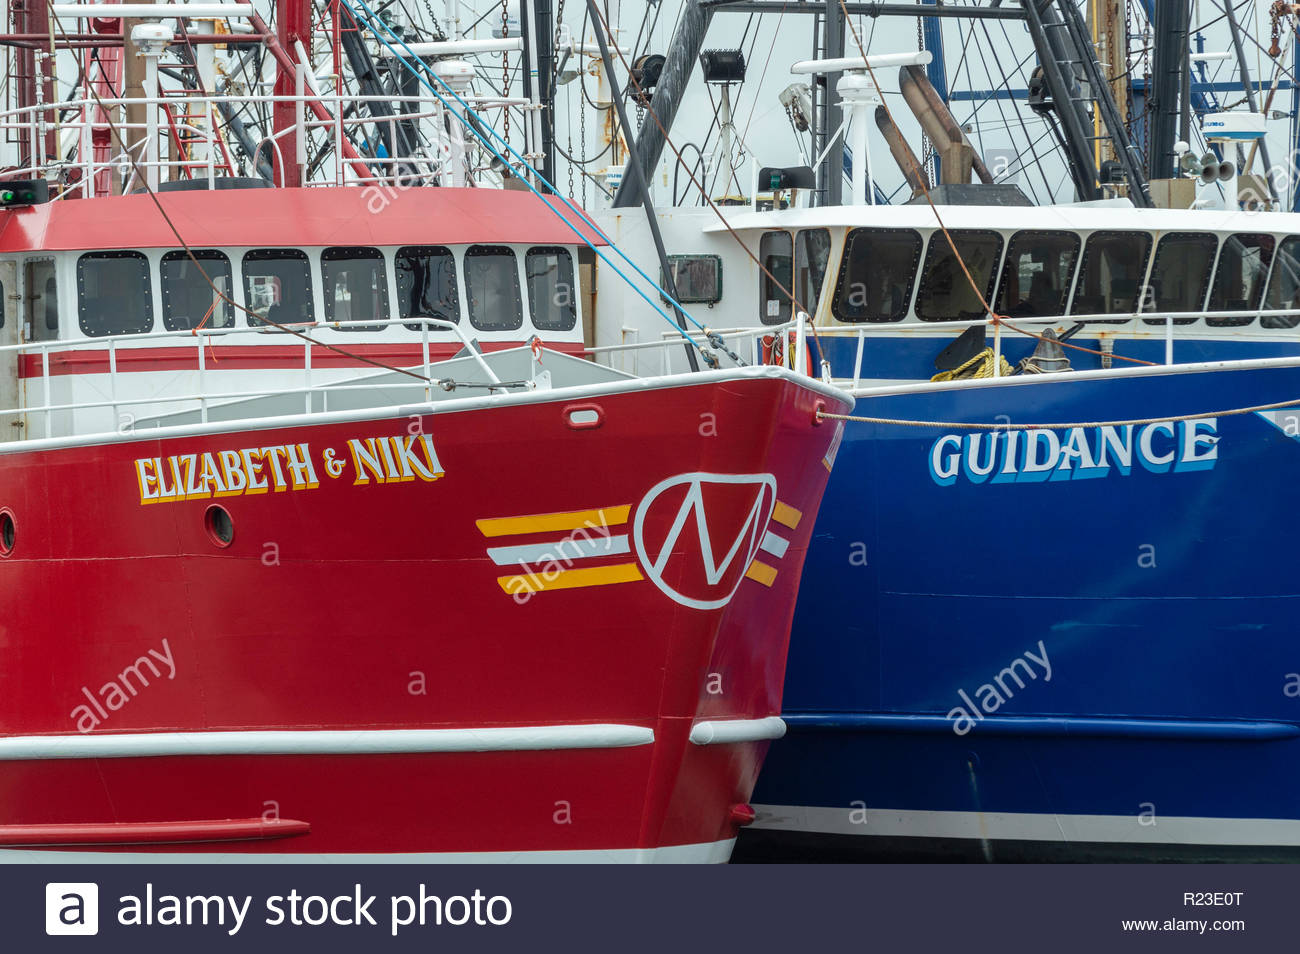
(980, 366)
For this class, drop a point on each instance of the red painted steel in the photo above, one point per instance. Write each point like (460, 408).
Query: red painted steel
(376, 606)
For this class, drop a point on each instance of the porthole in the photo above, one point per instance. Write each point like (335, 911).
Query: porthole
(8, 533)
(219, 525)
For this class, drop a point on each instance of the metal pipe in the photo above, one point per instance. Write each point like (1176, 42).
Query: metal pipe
(635, 174)
(935, 118)
(910, 166)
(683, 52)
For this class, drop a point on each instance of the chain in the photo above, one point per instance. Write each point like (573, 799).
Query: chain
(505, 71)
(582, 144)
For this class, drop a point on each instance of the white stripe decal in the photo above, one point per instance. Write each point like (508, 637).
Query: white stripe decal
(723, 731)
(709, 852)
(570, 549)
(323, 742)
(774, 545)
(1023, 826)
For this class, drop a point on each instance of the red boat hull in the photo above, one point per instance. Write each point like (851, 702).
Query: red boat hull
(481, 631)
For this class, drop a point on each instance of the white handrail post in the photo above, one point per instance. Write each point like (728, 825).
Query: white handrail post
(45, 385)
(1169, 339)
(306, 366)
(997, 347)
(800, 345)
(112, 380)
(203, 394)
(428, 374)
(209, 131)
(857, 362)
(300, 119)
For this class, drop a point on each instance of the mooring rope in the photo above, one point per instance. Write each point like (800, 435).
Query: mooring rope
(981, 426)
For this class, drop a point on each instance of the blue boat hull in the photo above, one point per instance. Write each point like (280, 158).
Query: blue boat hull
(1083, 644)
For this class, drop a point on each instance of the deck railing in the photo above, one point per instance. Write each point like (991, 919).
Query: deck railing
(206, 337)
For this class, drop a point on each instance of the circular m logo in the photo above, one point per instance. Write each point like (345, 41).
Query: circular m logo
(696, 534)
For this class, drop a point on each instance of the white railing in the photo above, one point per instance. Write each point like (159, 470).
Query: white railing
(207, 133)
(204, 338)
(758, 346)
(1161, 323)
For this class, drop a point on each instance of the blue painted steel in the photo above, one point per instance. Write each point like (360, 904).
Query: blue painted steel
(1164, 597)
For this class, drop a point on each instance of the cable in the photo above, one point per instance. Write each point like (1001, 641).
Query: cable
(417, 67)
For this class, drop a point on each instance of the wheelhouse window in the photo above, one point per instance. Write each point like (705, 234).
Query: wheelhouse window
(552, 295)
(188, 299)
(776, 252)
(1111, 274)
(1284, 285)
(1037, 274)
(355, 281)
(877, 274)
(812, 255)
(1180, 275)
(277, 285)
(42, 299)
(1240, 278)
(492, 280)
(426, 284)
(698, 278)
(114, 296)
(945, 293)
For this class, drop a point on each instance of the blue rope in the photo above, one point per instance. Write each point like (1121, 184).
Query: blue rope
(371, 19)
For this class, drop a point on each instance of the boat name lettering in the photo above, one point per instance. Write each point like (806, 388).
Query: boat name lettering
(1076, 453)
(280, 467)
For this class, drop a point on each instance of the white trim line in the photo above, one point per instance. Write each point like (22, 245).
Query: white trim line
(322, 742)
(577, 392)
(585, 547)
(709, 852)
(724, 731)
(1023, 826)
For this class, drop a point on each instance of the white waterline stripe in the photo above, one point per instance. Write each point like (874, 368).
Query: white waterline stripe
(1024, 826)
(774, 545)
(591, 546)
(323, 742)
(709, 852)
(723, 731)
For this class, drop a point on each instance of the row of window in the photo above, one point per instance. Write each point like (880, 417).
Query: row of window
(1190, 272)
(115, 293)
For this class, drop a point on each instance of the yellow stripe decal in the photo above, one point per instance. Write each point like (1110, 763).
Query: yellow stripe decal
(551, 522)
(568, 579)
(760, 571)
(786, 516)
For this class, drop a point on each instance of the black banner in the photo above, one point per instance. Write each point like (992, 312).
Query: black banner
(779, 908)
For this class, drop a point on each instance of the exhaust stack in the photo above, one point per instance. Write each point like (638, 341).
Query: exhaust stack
(911, 167)
(942, 129)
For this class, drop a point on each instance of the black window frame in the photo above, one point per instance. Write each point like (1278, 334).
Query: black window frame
(937, 240)
(1241, 321)
(562, 254)
(143, 325)
(407, 252)
(1171, 237)
(1004, 274)
(770, 278)
(689, 296)
(484, 251)
(1279, 322)
(1081, 276)
(283, 255)
(204, 255)
(810, 298)
(846, 260)
(348, 253)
